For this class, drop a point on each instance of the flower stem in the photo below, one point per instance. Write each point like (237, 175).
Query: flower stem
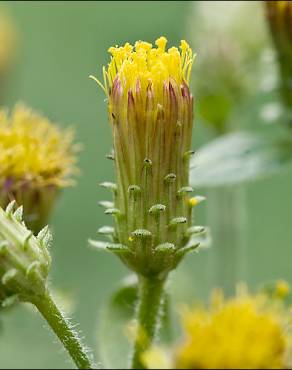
(151, 292)
(64, 331)
(226, 215)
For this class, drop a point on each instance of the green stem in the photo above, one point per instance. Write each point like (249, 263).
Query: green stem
(151, 291)
(226, 213)
(64, 331)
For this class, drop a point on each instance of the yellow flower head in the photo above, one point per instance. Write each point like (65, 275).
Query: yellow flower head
(36, 159)
(32, 149)
(7, 42)
(148, 65)
(242, 332)
(143, 66)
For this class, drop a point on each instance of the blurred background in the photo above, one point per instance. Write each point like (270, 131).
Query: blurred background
(59, 44)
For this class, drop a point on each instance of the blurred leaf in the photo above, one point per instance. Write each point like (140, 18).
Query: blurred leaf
(114, 342)
(239, 157)
(215, 109)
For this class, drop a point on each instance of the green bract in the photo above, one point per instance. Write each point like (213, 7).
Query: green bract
(24, 258)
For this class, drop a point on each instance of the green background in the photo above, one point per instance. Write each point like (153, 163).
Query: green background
(60, 45)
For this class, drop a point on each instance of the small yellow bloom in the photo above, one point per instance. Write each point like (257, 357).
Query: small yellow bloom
(282, 289)
(243, 332)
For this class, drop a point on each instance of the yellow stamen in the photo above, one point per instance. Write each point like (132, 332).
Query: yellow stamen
(150, 65)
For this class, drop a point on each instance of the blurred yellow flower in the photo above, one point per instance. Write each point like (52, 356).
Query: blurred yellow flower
(282, 289)
(244, 332)
(33, 149)
(36, 159)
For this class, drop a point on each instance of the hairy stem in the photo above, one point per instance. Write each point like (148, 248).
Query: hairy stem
(226, 215)
(151, 292)
(64, 331)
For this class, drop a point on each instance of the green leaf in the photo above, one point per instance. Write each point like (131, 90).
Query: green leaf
(114, 346)
(215, 109)
(239, 157)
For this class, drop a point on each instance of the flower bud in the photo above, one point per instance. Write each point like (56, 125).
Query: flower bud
(24, 258)
(151, 116)
(279, 16)
(37, 159)
(7, 42)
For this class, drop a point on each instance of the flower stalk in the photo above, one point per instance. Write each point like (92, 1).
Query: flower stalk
(64, 331)
(24, 267)
(151, 292)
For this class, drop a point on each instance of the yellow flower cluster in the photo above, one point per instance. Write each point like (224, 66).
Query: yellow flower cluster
(148, 65)
(34, 150)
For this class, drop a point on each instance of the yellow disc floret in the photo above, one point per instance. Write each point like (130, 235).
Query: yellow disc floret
(149, 65)
(239, 333)
(34, 150)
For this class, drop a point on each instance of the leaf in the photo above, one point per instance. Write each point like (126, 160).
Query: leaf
(114, 344)
(215, 109)
(239, 157)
